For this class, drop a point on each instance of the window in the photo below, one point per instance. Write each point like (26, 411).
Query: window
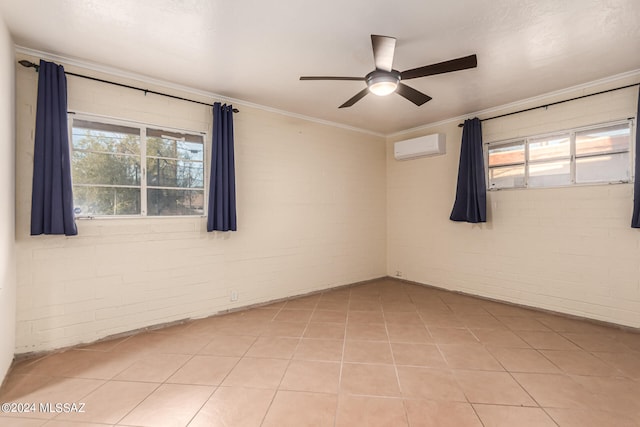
(506, 165)
(597, 154)
(602, 154)
(124, 170)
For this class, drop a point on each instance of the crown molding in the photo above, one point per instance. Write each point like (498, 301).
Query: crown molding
(91, 66)
(206, 94)
(542, 99)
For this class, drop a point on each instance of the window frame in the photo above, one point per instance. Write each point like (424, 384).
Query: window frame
(144, 187)
(573, 157)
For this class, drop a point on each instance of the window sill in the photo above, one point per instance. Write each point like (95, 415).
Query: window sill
(585, 184)
(136, 217)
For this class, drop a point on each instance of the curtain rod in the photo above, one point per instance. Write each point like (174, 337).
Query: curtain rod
(555, 103)
(29, 64)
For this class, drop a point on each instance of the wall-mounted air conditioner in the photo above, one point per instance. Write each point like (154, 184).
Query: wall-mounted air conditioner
(428, 145)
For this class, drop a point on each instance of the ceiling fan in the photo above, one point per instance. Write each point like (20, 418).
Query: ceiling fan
(384, 80)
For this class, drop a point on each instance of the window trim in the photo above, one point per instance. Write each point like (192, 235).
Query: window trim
(571, 132)
(71, 115)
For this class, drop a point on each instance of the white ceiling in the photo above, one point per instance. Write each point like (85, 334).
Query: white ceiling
(255, 50)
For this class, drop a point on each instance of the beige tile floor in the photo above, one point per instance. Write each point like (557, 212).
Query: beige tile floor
(385, 353)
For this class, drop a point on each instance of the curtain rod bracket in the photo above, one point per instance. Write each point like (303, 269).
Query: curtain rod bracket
(29, 64)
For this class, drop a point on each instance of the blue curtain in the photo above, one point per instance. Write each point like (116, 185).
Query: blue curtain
(222, 184)
(52, 196)
(635, 219)
(471, 192)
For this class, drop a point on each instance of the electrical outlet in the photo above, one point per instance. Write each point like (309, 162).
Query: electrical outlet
(398, 273)
(234, 296)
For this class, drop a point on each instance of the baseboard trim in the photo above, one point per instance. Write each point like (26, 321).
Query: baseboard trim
(21, 357)
(525, 306)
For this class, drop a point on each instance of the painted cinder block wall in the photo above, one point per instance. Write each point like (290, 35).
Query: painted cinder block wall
(569, 249)
(311, 215)
(7, 202)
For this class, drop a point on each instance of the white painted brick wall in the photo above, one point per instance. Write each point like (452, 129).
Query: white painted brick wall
(311, 215)
(566, 249)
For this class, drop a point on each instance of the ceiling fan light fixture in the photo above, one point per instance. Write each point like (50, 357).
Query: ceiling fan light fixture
(383, 83)
(383, 88)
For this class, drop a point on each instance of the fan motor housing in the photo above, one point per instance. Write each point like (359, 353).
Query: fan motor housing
(377, 76)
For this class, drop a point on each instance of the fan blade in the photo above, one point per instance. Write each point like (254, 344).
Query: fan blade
(358, 96)
(412, 95)
(383, 49)
(463, 63)
(360, 79)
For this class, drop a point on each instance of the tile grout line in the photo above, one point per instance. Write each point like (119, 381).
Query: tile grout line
(344, 345)
(393, 359)
(217, 387)
(451, 369)
(534, 399)
(164, 382)
(277, 389)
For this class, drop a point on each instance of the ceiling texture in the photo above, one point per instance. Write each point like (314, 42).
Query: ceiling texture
(255, 50)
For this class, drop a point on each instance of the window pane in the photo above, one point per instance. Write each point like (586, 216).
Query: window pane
(506, 154)
(607, 168)
(106, 138)
(102, 168)
(106, 201)
(175, 202)
(549, 147)
(175, 173)
(175, 149)
(603, 140)
(550, 174)
(506, 176)
(104, 155)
